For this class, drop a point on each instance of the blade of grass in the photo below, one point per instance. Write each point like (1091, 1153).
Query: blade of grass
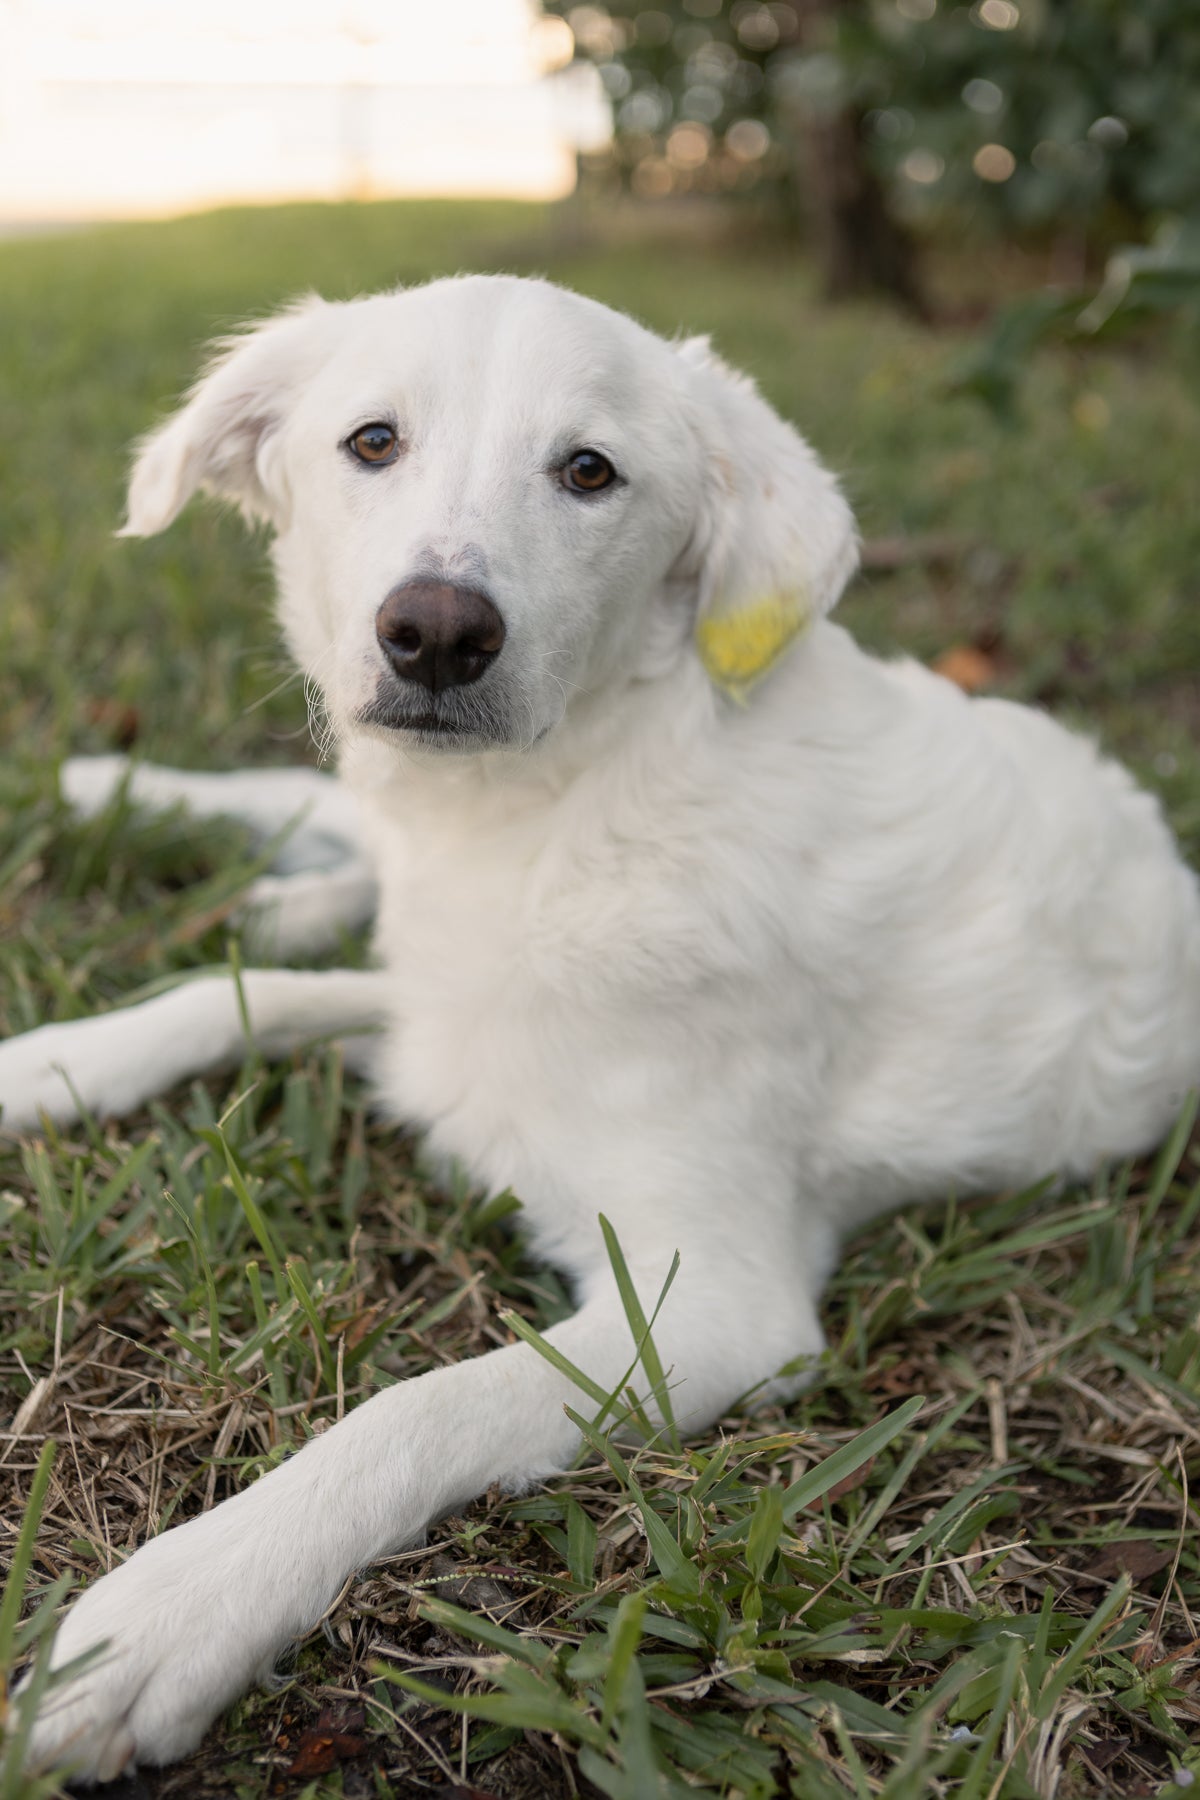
(14, 1586)
(814, 1484)
(640, 1326)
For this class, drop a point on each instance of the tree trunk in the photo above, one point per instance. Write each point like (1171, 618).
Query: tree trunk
(860, 246)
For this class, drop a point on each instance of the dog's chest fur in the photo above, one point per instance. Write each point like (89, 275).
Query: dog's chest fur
(571, 977)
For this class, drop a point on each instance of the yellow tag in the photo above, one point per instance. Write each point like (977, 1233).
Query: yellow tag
(737, 648)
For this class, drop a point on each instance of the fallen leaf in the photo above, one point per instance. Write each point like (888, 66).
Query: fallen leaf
(362, 1322)
(446, 1579)
(904, 1377)
(447, 1792)
(964, 665)
(846, 1485)
(849, 1482)
(1136, 1557)
(335, 1738)
(120, 722)
(882, 554)
(1098, 1756)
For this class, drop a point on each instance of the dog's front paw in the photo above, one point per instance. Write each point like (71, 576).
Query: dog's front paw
(99, 1063)
(185, 1626)
(88, 783)
(293, 916)
(32, 1080)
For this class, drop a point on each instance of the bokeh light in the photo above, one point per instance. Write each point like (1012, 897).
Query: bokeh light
(993, 162)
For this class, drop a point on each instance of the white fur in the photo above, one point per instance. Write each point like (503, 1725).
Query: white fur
(739, 976)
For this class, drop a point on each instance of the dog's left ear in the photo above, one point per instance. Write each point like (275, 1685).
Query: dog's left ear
(221, 439)
(775, 543)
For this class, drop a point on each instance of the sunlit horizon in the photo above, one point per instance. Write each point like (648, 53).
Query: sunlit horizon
(141, 109)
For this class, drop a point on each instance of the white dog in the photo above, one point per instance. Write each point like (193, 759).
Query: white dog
(689, 912)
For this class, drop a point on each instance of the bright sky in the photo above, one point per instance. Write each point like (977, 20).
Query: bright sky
(113, 108)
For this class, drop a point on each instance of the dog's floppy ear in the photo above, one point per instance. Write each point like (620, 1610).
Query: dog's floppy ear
(220, 438)
(775, 543)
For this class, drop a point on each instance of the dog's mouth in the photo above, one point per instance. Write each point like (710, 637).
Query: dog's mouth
(433, 727)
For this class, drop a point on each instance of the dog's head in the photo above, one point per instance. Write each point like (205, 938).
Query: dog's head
(490, 495)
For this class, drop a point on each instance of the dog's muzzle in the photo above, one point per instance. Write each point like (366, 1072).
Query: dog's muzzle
(438, 635)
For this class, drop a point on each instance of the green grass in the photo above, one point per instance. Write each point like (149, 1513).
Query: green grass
(865, 1594)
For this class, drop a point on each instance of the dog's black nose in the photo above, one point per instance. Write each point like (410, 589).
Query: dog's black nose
(439, 635)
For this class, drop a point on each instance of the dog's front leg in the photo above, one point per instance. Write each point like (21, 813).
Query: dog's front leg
(196, 1614)
(114, 1063)
(323, 815)
(322, 881)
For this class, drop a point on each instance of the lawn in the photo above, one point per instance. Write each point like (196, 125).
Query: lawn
(989, 1590)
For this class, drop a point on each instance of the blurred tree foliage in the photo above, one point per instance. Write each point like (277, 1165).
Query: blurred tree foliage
(1078, 119)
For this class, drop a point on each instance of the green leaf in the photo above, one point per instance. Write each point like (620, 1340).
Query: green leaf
(474, 1625)
(528, 1705)
(814, 1484)
(581, 1543)
(766, 1528)
(22, 1556)
(555, 1357)
(677, 1569)
(624, 1636)
(641, 1327)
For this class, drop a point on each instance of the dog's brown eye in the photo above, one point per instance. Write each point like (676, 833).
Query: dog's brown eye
(588, 472)
(374, 444)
